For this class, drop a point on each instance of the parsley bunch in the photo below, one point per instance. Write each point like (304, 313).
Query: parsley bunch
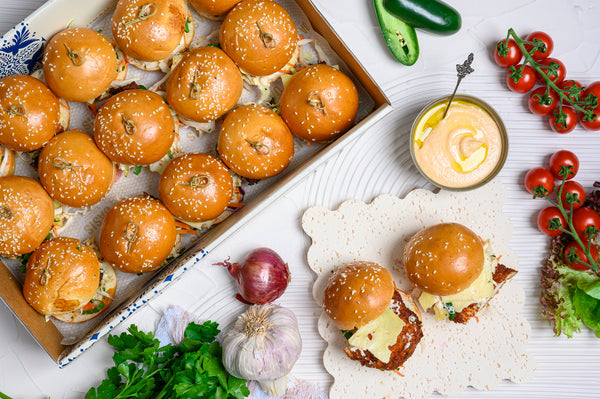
(192, 369)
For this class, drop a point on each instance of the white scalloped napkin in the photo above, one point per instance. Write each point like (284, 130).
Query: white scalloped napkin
(451, 356)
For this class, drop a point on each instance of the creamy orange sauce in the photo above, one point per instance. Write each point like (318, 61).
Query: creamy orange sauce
(460, 150)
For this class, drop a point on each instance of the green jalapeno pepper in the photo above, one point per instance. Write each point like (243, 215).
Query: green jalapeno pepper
(430, 15)
(399, 36)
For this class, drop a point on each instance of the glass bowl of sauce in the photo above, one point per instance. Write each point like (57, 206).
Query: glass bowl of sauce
(462, 151)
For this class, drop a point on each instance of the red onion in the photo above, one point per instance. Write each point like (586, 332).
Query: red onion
(261, 277)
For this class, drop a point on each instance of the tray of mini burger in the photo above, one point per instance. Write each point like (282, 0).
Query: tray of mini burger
(136, 136)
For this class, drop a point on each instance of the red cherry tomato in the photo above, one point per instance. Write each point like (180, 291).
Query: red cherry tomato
(539, 182)
(521, 81)
(549, 220)
(542, 101)
(594, 89)
(583, 219)
(544, 43)
(564, 123)
(576, 264)
(554, 69)
(507, 54)
(572, 89)
(591, 122)
(564, 158)
(572, 192)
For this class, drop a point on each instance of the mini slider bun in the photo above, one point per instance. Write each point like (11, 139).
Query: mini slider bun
(30, 114)
(134, 127)
(212, 9)
(382, 324)
(357, 293)
(196, 187)
(260, 36)
(319, 103)
(74, 171)
(26, 215)
(255, 142)
(62, 276)
(149, 32)
(99, 302)
(444, 259)
(137, 234)
(204, 85)
(79, 64)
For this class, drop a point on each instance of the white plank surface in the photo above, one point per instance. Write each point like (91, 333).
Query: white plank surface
(377, 163)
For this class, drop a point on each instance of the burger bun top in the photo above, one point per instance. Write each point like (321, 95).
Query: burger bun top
(357, 293)
(62, 276)
(444, 259)
(26, 215)
(260, 36)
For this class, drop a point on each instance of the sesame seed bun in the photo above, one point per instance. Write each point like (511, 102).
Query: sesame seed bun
(79, 64)
(259, 35)
(319, 103)
(62, 276)
(137, 234)
(7, 161)
(151, 31)
(104, 296)
(255, 142)
(213, 8)
(204, 85)
(74, 171)
(134, 127)
(357, 293)
(196, 187)
(30, 114)
(26, 215)
(444, 259)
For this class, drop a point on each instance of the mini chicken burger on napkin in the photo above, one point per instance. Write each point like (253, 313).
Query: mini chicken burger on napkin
(455, 271)
(382, 324)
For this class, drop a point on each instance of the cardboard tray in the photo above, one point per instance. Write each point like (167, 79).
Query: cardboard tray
(19, 52)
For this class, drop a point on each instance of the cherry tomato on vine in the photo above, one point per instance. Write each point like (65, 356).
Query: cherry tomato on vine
(542, 101)
(565, 122)
(594, 89)
(572, 89)
(547, 45)
(507, 54)
(577, 250)
(525, 79)
(564, 158)
(554, 68)
(585, 218)
(591, 122)
(550, 220)
(539, 182)
(572, 195)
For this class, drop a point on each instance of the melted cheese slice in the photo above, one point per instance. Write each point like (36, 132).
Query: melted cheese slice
(378, 335)
(479, 291)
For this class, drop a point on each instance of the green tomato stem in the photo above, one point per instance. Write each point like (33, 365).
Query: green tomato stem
(569, 219)
(549, 83)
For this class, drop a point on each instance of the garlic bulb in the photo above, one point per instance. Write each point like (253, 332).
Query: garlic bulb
(263, 345)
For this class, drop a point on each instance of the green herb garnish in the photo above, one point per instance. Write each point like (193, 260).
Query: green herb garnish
(95, 309)
(450, 309)
(192, 369)
(137, 170)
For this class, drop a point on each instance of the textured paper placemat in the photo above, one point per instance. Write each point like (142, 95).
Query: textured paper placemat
(490, 348)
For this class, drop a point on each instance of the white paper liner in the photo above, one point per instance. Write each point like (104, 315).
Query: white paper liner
(451, 356)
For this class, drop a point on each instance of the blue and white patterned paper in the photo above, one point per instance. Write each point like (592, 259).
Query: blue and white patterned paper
(20, 51)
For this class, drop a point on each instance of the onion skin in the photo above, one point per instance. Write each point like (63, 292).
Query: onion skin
(261, 278)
